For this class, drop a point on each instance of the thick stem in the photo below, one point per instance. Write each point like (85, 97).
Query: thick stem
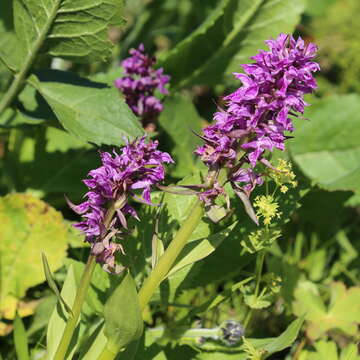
(165, 263)
(20, 77)
(80, 297)
(171, 253)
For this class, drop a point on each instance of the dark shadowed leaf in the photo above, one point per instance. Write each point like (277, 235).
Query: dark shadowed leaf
(236, 29)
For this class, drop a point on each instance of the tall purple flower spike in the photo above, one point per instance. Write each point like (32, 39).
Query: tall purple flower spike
(256, 117)
(135, 170)
(139, 84)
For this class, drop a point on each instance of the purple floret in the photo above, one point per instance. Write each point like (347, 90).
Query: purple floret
(139, 84)
(135, 170)
(256, 117)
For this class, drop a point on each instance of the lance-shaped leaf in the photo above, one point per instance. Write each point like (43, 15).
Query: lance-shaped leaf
(20, 339)
(91, 111)
(199, 249)
(59, 318)
(52, 284)
(237, 29)
(122, 313)
(75, 30)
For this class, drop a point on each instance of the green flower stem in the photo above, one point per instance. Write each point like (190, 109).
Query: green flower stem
(171, 253)
(258, 273)
(164, 265)
(76, 309)
(80, 297)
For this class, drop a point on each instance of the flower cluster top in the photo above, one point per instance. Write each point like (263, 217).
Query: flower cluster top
(256, 117)
(139, 84)
(137, 168)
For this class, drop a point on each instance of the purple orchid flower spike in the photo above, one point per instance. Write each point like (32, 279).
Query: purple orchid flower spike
(138, 168)
(139, 83)
(256, 118)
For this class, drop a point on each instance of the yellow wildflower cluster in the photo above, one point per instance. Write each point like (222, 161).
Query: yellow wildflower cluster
(267, 208)
(284, 175)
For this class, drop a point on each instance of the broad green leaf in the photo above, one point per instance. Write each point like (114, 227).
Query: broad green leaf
(101, 285)
(52, 284)
(343, 311)
(28, 226)
(10, 52)
(199, 249)
(318, 8)
(65, 159)
(20, 339)
(176, 208)
(179, 119)
(326, 148)
(88, 110)
(77, 31)
(59, 317)
(95, 344)
(122, 314)
(236, 29)
(286, 339)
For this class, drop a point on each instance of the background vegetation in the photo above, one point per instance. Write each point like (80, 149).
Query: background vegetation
(49, 140)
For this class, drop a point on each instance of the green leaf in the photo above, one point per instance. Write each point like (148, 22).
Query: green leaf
(20, 339)
(286, 339)
(326, 148)
(10, 51)
(343, 311)
(261, 347)
(179, 119)
(52, 284)
(88, 110)
(72, 30)
(42, 314)
(59, 317)
(123, 319)
(95, 344)
(199, 249)
(236, 29)
(28, 226)
(101, 284)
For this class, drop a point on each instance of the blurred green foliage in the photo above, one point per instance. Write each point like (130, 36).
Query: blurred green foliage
(312, 267)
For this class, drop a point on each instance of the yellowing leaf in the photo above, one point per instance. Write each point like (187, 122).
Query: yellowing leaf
(28, 226)
(343, 311)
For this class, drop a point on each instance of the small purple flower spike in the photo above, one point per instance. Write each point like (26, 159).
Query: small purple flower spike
(256, 117)
(139, 84)
(137, 168)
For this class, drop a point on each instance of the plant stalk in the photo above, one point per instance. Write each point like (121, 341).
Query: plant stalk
(80, 297)
(20, 77)
(76, 309)
(165, 264)
(258, 273)
(170, 255)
